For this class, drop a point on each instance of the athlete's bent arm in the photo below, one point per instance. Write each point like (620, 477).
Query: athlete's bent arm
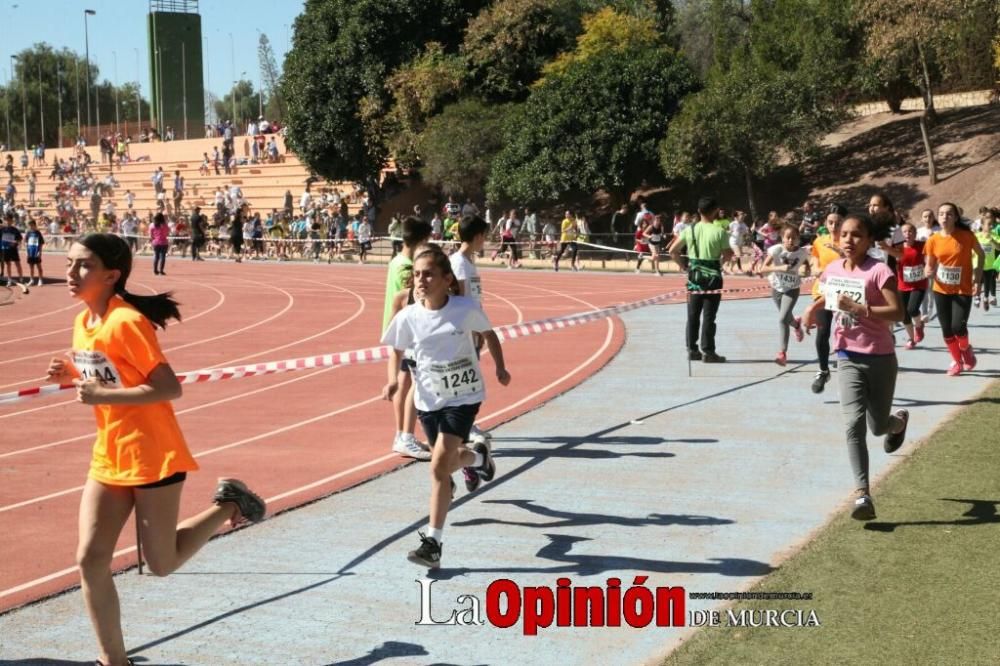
(160, 386)
(496, 351)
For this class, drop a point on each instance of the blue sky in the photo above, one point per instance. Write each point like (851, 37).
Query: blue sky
(120, 27)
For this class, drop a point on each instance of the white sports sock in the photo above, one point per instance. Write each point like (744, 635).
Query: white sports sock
(479, 459)
(435, 533)
(398, 435)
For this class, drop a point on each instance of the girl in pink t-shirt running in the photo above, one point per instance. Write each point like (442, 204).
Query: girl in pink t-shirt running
(862, 293)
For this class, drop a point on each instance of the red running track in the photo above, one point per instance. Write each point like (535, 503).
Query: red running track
(294, 437)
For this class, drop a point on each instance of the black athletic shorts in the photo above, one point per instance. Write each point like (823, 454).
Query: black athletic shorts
(169, 481)
(455, 420)
(11, 255)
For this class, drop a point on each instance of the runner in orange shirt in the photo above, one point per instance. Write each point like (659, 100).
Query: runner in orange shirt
(949, 261)
(140, 459)
(824, 252)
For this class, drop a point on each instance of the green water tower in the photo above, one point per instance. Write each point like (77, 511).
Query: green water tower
(178, 90)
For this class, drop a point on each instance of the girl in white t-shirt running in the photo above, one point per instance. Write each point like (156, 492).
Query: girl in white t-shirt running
(739, 237)
(783, 263)
(449, 383)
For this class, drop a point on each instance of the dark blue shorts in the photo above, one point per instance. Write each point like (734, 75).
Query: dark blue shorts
(455, 421)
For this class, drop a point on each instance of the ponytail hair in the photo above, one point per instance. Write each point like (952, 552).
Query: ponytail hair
(116, 255)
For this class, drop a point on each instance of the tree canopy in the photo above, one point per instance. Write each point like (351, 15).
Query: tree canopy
(594, 125)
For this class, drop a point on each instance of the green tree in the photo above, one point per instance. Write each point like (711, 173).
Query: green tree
(459, 144)
(593, 126)
(777, 92)
(607, 30)
(45, 87)
(335, 74)
(420, 89)
(507, 44)
(270, 78)
(917, 38)
(244, 99)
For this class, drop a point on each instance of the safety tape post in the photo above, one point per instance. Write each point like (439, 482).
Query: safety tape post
(382, 353)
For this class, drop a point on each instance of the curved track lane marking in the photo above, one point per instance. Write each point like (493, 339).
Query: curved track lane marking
(315, 484)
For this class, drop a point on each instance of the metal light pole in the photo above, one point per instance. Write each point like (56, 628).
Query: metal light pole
(232, 55)
(161, 127)
(59, 102)
(24, 106)
(6, 99)
(184, 87)
(86, 42)
(118, 127)
(41, 116)
(97, 109)
(77, 62)
(138, 89)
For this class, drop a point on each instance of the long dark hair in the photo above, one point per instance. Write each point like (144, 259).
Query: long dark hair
(116, 255)
(959, 222)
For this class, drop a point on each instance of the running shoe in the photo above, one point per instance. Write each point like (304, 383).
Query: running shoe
(918, 334)
(472, 479)
(986, 305)
(712, 357)
(799, 333)
(968, 359)
(895, 440)
(781, 359)
(819, 383)
(428, 554)
(478, 435)
(910, 344)
(694, 355)
(977, 302)
(488, 469)
(407, 445)
(954, 369)
(993, 301)
(864, 508)
(250, 505)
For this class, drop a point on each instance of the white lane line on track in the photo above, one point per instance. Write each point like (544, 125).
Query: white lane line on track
(238, 396)
(607, 341)
(218, 304)
(291, 302)
(80, 306)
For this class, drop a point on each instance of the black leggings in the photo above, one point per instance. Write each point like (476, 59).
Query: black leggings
(824, 326)
(572, 251)
(989, 289)
(953, 314)
(912, 301)
(159, 257)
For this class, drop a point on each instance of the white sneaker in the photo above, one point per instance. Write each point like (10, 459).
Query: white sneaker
(407, 445)
(477, 435)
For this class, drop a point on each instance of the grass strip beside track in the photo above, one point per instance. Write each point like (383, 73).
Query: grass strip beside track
(919, 585)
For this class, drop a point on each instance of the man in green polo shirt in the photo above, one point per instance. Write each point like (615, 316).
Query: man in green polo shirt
(708, 247)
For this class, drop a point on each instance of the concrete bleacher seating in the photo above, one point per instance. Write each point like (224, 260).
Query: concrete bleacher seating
(263, 185)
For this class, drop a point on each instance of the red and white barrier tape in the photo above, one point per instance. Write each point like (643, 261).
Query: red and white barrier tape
(373, 354)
